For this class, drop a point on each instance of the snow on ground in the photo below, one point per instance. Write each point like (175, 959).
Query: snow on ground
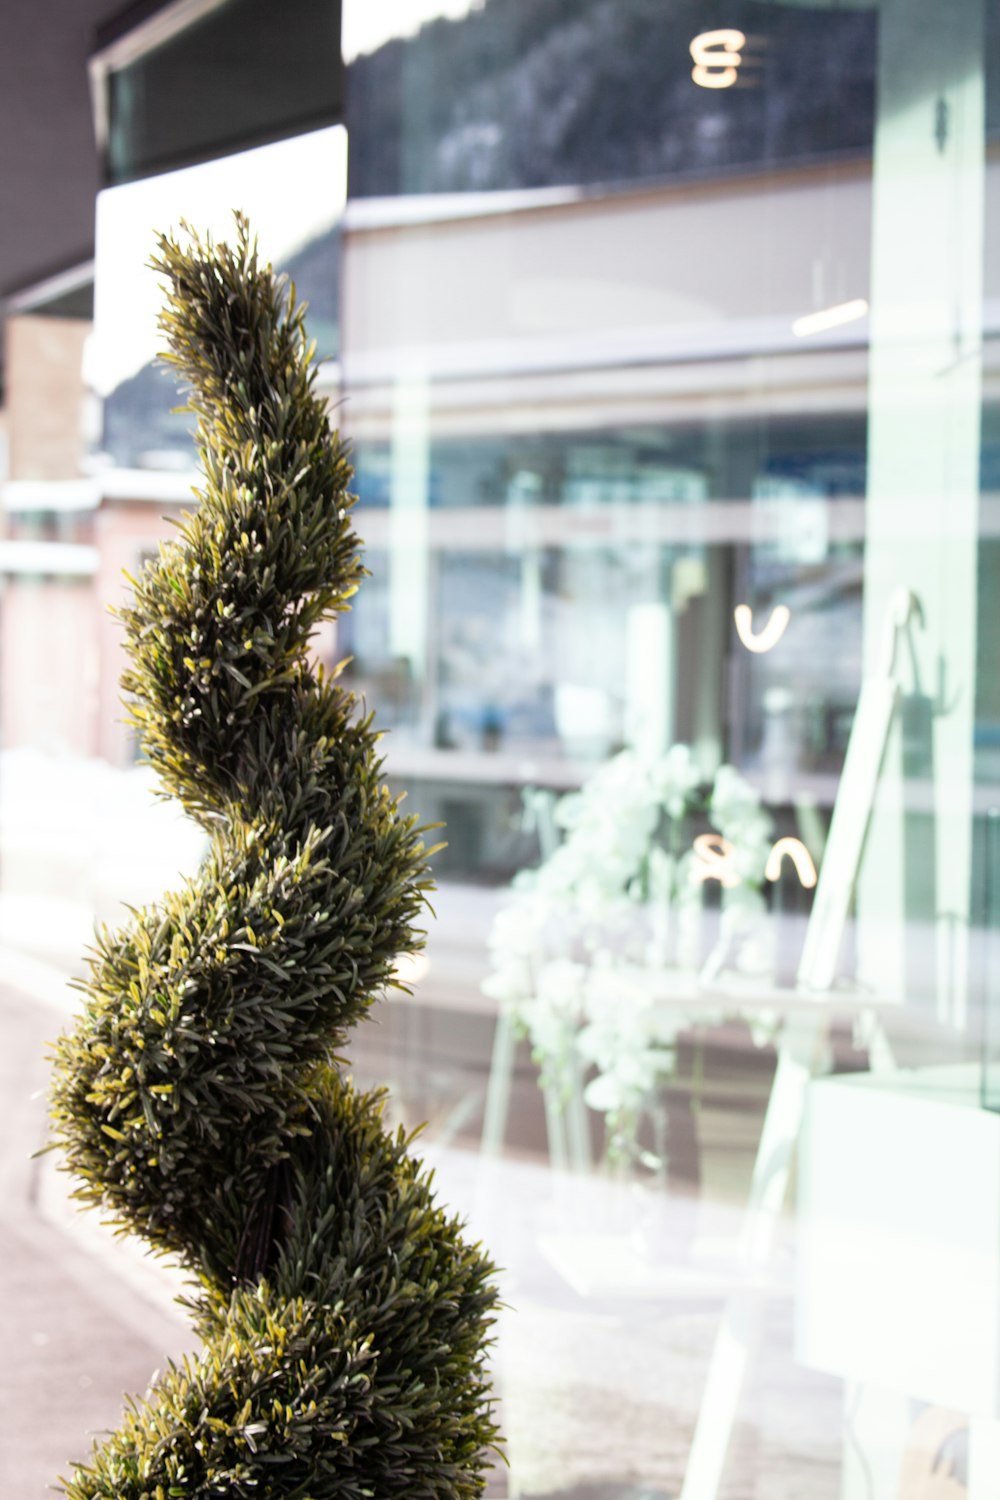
(79, 839)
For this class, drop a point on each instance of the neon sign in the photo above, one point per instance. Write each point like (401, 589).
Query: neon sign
(766, 639)
(717, 58)
(715, 859)
(796, 851)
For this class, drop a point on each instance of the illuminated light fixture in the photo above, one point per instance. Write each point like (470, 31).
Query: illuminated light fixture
(410, 968)
(714, 861)
(716, 56)
(766, 639)
(830, 317)
(800, 858)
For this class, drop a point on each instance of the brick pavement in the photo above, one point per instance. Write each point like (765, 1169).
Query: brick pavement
(76, 1334)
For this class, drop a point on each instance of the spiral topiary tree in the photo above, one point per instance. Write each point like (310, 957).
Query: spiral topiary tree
(201, 1099)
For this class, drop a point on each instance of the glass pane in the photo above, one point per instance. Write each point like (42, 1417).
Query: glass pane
(670, 431)
(664, 337)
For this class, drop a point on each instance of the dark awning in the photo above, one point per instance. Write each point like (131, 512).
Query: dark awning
(48, 156)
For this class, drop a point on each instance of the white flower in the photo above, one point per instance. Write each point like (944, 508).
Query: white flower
(560, 985)
(675, 776)
(571, 949)
(510, 984)
(734, 800)
(735, 810)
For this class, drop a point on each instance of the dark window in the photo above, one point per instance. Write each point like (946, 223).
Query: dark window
(248, 72)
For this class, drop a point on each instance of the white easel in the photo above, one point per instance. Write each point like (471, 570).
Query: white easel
(878, 704)
(799, 1052)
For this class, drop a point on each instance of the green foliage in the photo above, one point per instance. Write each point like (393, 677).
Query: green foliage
(200, 1100)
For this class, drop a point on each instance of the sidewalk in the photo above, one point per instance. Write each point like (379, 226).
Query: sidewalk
(611, 1292)
(80, 1327)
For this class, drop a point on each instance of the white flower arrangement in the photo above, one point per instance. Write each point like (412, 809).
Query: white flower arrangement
(580, 949)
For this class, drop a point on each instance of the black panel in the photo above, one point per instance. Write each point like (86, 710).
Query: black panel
(249, 72)
(75, 302)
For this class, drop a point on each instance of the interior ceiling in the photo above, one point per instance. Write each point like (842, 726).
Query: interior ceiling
(48, 159)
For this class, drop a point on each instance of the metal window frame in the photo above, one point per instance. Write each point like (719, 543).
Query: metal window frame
(145, 36)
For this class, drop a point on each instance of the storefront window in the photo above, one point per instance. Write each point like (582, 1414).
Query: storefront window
(664, 336)
(673, 438)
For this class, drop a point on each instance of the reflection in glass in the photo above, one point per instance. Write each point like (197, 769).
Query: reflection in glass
(297, 230)
(618, 357)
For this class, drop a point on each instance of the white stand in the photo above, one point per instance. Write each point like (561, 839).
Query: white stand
(565, 1120)
(498, 1089)
(798, 1054)
(738, 1331)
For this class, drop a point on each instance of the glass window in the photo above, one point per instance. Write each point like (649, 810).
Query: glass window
(513, 95)
(666, 361)
(664, 334)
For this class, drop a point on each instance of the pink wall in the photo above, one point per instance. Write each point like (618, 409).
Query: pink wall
(49, 668)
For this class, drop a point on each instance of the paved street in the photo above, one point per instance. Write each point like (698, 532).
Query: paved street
(603, 1345)
(77, 1332)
